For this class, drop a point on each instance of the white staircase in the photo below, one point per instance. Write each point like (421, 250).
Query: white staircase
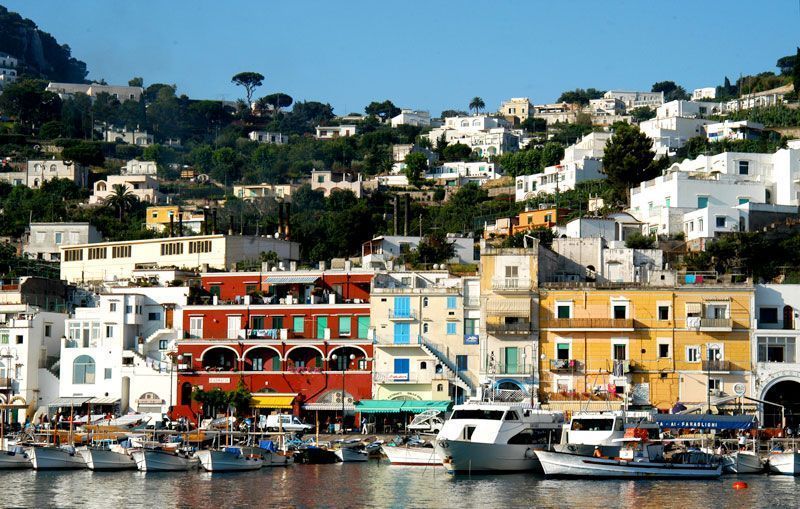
(459, 378)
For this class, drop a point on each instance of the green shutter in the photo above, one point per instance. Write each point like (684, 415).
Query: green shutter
(363, 326)
(298, 323)
(322, 324)
(344, 325)
(276, 363)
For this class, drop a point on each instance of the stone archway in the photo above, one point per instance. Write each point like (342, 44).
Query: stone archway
(784, 392)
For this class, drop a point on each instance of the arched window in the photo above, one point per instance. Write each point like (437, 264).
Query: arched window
(52, 167)
(423, 365)
(83, 370)
(439, 387)
(476, 123)
(465, 123)
(424, 302)
(424, 328)
(2, 370)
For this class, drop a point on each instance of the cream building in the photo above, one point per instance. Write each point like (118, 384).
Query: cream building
(144, 187)
(40, 171)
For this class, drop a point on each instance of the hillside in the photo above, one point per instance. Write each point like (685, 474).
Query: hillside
(39, 52)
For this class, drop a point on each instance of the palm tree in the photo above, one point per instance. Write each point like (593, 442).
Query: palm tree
(121, 198)
(477, 104)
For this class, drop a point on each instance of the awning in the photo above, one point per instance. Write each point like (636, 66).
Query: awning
(272, 401)
(694, 307)
(379, 406)
(65, 402)
(328, 406)
(509, 307)
(705, 421)
(103, 401)
(418, 407)
(285, 280)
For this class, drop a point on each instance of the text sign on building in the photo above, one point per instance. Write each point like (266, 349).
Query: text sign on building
(397, 377)
(219, 380)
(470, 339)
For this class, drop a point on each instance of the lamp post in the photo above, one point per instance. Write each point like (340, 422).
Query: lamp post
(344, 368)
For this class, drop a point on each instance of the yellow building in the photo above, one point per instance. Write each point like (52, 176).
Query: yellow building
(159, 218)
(653, 346)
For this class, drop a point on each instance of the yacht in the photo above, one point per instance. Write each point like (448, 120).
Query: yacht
(587, 430)
(14, 457)
(107, 455)
(229, 459)
(160, 460)
(496, 437)
(56, 458)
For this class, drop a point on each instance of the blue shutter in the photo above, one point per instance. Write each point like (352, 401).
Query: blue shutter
(402, 307)
(451, 302)
(402, 366)
(451, 327)
(402, 333)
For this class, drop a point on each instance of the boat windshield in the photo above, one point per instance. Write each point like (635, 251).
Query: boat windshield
(592, 424)
(489, 415)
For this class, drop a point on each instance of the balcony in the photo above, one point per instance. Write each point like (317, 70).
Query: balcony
(620, 367)
(422, 377)
(5, 383)
(591, 323)
(716, 324)
(472, 302)
(513, 369)
(509, 328)
(719, 366)
(564, 365)
(402, 315)
(511, 284)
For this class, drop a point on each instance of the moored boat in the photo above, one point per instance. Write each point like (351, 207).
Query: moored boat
(411, 455)
(14, 457)
(351, 453)
(742, 462)
(158, 460)
(229, 459)
(784, 463)
(56, 458)
(107, 456)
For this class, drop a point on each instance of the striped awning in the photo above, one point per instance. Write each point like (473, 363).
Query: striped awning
(694, 307)
(378, 406)
(286, 280)
(328, 406)
(65, 402)
(509, 307)
(103, 401)
(272, 401)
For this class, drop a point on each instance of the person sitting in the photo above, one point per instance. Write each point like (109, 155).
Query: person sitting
(597, 453)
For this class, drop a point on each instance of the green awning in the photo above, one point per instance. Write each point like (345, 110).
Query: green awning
(418, 407)
(379, 406)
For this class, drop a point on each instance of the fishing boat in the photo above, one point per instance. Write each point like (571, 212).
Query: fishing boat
(56, 458)
(638, 459)
(107, 455)
(412, 451)
(272, 456)
(587, 430)
(742, 462)
(491, 437)
(784, 457)
(160, 460)
(14, 457)
(351, 451)
(229, 459)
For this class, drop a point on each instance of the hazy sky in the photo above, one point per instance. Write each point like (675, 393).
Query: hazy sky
(422, 54)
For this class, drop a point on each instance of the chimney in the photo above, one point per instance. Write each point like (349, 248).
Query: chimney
(287, 234)
(407, 211)
(394, 216)
(180, 223)
(322, 265)
(280, 218)
(171, 223)
(214, 222)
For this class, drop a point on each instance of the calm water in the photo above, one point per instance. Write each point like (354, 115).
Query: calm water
(377, 484)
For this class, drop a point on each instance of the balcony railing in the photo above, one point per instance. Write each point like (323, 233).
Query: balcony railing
(716, 323)
(564, 365)
(395, 314)
(511, 284)
(423, 377)
(509, 328)
(5, 383)
(513, 369)
(590, 323)
(719, 365)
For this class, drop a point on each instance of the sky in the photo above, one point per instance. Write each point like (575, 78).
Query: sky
(429, 55)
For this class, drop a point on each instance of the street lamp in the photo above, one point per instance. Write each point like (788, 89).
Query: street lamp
(344, 368)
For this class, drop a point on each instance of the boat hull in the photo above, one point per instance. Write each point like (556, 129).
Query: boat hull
(103, 459)
(316, 456)
(163, 461)
(10, 460)
(556, 464)
(402, 455)
(348, 454)
(226, 461)
(463, 456)
(742, 463)
(786, 463)
(55, 458)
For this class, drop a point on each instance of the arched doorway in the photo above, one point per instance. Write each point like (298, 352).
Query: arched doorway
(304, 358)
(786, 393)
(186, 393)
(262, 359)
(219, 358)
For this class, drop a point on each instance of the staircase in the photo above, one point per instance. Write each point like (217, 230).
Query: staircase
(142, 360)
(459, 378)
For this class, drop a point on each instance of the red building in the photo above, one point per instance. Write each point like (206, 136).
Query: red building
(295, 339)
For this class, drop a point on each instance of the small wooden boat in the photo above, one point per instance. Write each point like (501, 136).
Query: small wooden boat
(14, 457)
(107, 455)
(229, 459)
(56, 458)
(352, 452)
(411, 455)
(159, 460)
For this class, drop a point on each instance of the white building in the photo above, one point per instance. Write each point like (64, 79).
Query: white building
(123, 135)
(671, 133)
(387, 249)
(764, 99)
(581, 162)
(689, 109)
(8, 69)
(335, 131)
(614, 227)
(487, 136)
(120, 92)
(698, 94)
(136, 167)
(107, 261)
(116, 355)
(267, 137)
(40, 171)
(412, 117)
(563, 113)
(43, 240)
(460, 173)
(328, 180)
(142, 186)
(734, 130)
(633, 100)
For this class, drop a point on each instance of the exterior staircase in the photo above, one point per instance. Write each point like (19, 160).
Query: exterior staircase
(459, 377)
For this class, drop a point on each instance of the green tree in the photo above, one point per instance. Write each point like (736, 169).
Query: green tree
(416, 167)
(121, 199)
(534, 125)
(250, 81)
(275, 102)
(29, 103)
(580, 96)
(672, 91)
(454, 113)
(629, 160)
(136, 82)
(225, 166)
(52, 130)
(87, 153)
(642, 113)
(477, 104)
(383, 110)
(433, 248)
(636, 240)
(456, 152)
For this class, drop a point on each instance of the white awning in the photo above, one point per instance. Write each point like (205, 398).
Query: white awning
(509, 307)
(103, 401)
(65, 402)
(328, 406)
(284, 280)
(694, 307)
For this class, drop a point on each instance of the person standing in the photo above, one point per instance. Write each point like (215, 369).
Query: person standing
(363, 425)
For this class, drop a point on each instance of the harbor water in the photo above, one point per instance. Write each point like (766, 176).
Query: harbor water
(377, 484)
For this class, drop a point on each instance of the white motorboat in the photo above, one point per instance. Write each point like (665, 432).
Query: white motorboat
(349, 453)
(411, 455)
(56, 458)
(496, 437)
(638, 461)
(158, 460)
(107, 456)
(587, 430)
(229, 459)
(742, 462)
(784, 462)
(14, 457)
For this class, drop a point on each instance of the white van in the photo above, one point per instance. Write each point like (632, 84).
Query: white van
(286, 422)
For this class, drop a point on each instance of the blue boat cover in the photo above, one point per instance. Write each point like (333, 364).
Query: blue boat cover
(705, 421)
(267, 445)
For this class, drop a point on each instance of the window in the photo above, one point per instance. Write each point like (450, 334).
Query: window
(363, 327)
(97, 253)
(298, 324)
(48, 330)
(692, 354)
(73, 255)
(564, 311)
(776, 349)
(121, 252)
(702, 202)
(83, 370)
(461, 362)
(620, 311)
(667, 201)
(451, 328)
(663, 350)
(196, 327)
(402, 366)
(720, 221)
(322, 324)
(107, 374)
(743, 201)
(109, 331)
(58, 236)
(663, 312)
(471, 326)
(562, 351)
(619, 351)
(425, 327)
(714, 384)
(112, 306)
(171, 248)
(154, 316)
(199, 246)
(277, 322)
(424, 302)
(3, 338)
(451, 302)
(744, 167)
(768, 315)
(20, 339)
(512, 271)
(344, 325)
(257, 322)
